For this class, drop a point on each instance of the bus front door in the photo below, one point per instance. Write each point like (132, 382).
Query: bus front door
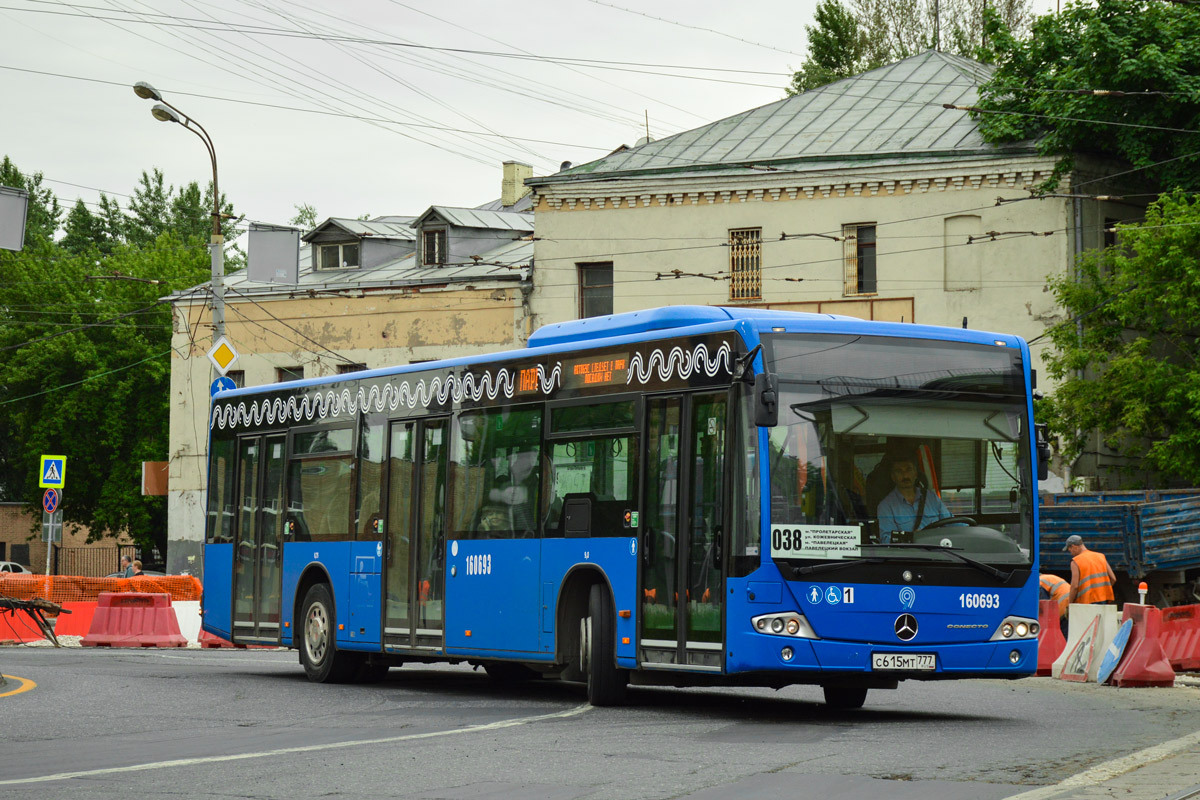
(682, 529)
(414, 584)
(258, 559)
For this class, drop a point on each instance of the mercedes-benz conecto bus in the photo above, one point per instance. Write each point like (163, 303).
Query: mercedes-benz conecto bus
(684, 496)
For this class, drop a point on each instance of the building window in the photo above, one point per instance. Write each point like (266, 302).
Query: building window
(433, 248)
(285, 374)
(860, 258)
(345, 369)
(595, 290)
(745, 264)
(238, 376)
(338, 256)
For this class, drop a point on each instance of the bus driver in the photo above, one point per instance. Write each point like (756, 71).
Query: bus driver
(910, 506)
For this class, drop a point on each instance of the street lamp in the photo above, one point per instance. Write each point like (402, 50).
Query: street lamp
(165, 112)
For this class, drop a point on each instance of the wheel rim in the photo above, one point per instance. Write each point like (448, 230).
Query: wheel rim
(316, 632)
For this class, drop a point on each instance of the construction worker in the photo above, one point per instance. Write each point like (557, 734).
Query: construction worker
(1092, 579)
(1056, 589)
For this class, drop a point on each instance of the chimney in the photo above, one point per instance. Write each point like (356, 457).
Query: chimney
(513, 188)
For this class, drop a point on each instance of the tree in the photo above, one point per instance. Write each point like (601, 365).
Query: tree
(1129, 357)
(871, 33)
(836, 48)
(85, 347)
(1141, 53)
(306, 216)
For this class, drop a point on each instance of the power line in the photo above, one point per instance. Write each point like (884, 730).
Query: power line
(697, 28)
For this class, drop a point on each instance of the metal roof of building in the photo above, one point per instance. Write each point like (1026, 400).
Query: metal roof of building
(479, 218)
(895, 111)
(383, 228)
(512, 260)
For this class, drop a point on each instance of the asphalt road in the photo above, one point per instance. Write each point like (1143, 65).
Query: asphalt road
(148, 724)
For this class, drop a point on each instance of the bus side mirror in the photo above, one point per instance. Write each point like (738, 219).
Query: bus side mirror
(766, 400)
(1042, 431)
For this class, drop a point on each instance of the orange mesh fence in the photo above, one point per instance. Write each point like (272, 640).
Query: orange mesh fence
(66, 588)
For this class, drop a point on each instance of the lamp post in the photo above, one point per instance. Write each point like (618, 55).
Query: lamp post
(165, 112)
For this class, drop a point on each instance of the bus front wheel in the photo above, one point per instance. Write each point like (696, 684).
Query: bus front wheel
(598, 651)
(318, 650)
(845, 697)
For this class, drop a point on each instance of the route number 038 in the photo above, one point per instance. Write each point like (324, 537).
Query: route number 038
(979, 600)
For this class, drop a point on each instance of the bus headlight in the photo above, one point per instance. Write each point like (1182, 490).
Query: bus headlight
(1013, 628)
(786, 624)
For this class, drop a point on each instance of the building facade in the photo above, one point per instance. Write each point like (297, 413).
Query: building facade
(370, 294)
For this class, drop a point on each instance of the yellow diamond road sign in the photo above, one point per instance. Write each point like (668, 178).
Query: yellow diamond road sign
(222, 355)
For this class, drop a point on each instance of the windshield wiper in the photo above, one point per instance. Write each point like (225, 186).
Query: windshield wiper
(831, 566)
(998, 574)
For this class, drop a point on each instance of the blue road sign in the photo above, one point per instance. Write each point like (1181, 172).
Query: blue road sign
(1112, 656)
(221, 384)
(50, 501)
(53, 472)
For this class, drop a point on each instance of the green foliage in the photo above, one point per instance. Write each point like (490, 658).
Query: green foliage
(1133, 334)
(306, 216)
(1134, 46)
(871, 33)
(836, 48)
(85, 347)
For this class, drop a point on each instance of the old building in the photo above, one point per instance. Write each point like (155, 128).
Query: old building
(867, 197)
(449, 282)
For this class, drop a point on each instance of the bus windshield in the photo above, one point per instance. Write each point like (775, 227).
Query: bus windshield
(899, 449)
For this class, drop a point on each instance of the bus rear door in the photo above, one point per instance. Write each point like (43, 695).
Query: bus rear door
(258, 558)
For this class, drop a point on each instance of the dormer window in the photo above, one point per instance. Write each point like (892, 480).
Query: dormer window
(433, 247)
(339, 256)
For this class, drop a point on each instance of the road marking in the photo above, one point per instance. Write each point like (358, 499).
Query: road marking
(188, 762)
(26, 685)
(1112, 769)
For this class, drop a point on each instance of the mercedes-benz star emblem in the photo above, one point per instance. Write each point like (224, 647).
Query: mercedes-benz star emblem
(906, 627)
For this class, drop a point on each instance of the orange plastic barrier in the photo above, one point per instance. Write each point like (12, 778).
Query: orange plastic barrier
(1144, 663)
(1050, 639)
(134, 619)
(69, 588)
(78, 622)
(1181, 636)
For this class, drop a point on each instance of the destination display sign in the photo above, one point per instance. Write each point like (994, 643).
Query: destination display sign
(607, 370)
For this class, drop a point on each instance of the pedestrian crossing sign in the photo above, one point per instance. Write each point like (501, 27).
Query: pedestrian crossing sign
(53, 472)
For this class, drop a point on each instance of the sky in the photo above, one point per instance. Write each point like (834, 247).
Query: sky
(372, 107)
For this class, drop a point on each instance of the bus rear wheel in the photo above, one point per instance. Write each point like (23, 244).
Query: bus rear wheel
(606, 683)
(845, 697)
(322, 661)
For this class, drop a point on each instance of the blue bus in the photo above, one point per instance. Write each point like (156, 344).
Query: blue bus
(685, 496)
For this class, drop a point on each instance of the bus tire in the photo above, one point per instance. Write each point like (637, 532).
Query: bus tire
(845, 697)
(606, 683)
(322, 661)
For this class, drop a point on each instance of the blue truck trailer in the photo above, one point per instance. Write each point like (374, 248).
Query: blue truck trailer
(1151, 536)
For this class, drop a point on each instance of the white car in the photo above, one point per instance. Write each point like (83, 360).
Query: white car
(12, 566)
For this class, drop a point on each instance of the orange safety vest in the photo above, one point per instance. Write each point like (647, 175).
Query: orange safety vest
(1058, 589)
(1094, 584)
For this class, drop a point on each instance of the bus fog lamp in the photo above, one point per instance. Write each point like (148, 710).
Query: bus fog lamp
(787, 653)
(1022, 630)
(1015, 656)
(777, 625)
(1006, 630)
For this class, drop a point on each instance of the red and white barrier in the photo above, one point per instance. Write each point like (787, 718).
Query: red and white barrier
(1181, 636)
(134, 619)
(1091, 628)
(1051, 642)
(1143, 663)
